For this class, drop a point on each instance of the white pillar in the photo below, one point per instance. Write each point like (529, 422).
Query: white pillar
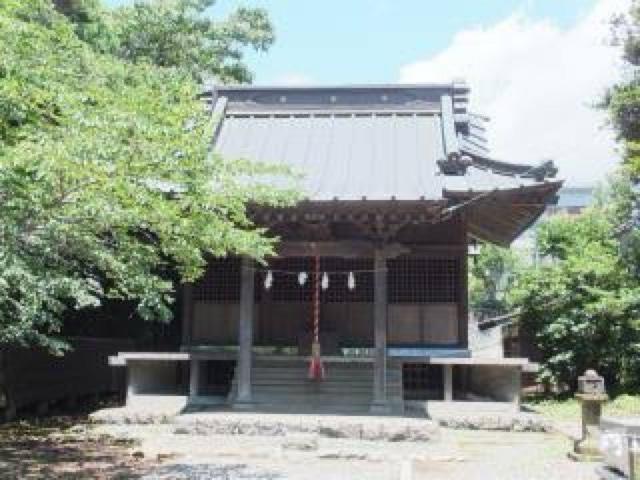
(245, 333)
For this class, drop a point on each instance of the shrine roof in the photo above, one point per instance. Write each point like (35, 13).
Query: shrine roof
(377, 142)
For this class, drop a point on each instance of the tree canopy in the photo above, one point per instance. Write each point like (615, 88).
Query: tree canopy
(623, 99)
(174, 33)
(490, 276)
(106, 180)
(583, 302)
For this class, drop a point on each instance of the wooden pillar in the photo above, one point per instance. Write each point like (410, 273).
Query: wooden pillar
(380, 332)
(187, 314)
(463, 325)
(194, 377)
(463, 301)
(517, 388)
(245, 333)
(447, 371)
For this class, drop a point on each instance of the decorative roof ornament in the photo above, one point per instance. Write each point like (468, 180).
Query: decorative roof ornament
(546, 169)
(351, 281)
(268, 280)
(455, 164)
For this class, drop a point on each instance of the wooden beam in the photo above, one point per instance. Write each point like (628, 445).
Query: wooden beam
(436, 250)
(350, 249)
(343, 249)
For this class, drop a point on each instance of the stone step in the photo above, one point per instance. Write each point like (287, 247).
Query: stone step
(305, 360)
(304, 368)
(316, 399)
(325, 399)
(318, 386)
(338, 408)
(283, 421)
(333, 373)
(346, 385)
(321, 384)
(324, 391)
(328, 377)
(350, 367)
(312, 385)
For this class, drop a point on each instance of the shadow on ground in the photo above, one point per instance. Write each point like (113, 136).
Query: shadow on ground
(210, 472)
(63, 448)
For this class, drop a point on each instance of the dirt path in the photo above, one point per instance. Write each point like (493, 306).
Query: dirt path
(469, 455)
(64, 448)
(67, 448)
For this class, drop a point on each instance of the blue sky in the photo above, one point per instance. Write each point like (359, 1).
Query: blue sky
(362, 41)
(536, 67)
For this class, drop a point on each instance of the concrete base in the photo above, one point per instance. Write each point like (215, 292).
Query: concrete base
(586, 450)
(381, 409)
(265, 423)
(618, 438)
(206, 401)
(281, 381)
(243, 406)
(155, 402)
(437, 408)
(499, 416)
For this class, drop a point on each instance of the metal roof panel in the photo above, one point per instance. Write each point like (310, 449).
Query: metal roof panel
(378, 142)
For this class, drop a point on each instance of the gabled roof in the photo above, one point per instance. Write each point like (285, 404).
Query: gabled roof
(385, 142)
(376, 142)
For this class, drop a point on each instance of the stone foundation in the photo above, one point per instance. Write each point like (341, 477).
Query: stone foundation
(391, 429)
(225, 422)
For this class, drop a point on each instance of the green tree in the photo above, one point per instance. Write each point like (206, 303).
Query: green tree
(490, 276)
(623, 99)
(106, 181)
(583, 303)
(174, 33)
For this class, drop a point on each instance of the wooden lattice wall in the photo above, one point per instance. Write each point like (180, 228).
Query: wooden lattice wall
(410, 280)
(424, 296)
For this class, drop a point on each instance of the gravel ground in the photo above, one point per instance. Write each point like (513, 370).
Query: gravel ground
(457, 454)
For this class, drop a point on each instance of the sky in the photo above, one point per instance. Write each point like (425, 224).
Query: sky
(535, 67)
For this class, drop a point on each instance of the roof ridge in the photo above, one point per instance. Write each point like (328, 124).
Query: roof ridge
(457, 86)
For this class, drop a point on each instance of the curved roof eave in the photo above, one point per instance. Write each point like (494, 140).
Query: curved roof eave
(500, 216)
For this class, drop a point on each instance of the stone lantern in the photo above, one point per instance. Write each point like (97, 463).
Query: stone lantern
(591, 394)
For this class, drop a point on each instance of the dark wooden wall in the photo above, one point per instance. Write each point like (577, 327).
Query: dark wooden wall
(30, 376)
(427, 296)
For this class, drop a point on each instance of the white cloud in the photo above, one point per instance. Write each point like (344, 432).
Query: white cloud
(293, 79)
(538, 83)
